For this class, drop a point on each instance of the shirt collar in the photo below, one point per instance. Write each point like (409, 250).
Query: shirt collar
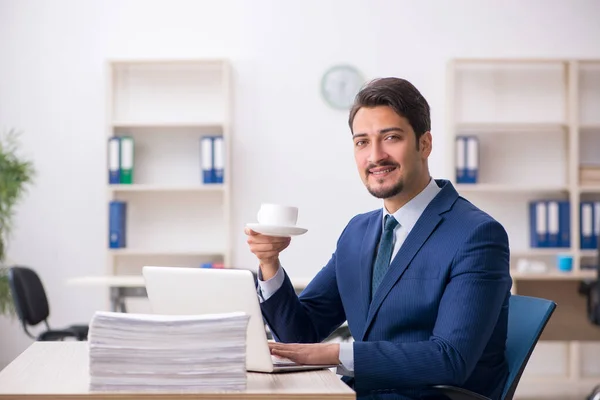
(408, 215)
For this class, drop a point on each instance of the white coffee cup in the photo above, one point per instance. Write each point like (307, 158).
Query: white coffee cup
(277, 215)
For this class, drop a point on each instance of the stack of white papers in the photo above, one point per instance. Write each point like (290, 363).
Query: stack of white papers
(167, 353)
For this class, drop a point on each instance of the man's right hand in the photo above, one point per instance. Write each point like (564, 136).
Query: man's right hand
(267, 249)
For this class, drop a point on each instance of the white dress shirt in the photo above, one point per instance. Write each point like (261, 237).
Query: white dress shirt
(407, 217)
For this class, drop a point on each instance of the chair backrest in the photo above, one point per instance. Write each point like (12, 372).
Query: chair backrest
(29, 296)
(527, 318)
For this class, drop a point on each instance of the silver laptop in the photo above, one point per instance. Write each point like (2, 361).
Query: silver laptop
(185, 291)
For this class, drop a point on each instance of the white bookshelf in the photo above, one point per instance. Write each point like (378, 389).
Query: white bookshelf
(167, 106)
(536, 122)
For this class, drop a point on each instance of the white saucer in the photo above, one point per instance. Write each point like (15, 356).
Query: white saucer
(274, 230)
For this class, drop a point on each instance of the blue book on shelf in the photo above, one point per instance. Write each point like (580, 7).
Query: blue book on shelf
(586, 225)
(461, 159)
(114, 160)
(472, 161)
(207, 159)
(218, 159)
(117, 224)
(538, 224)
(564, 224)
(552, 209)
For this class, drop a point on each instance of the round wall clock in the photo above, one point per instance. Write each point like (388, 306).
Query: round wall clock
(339, 86)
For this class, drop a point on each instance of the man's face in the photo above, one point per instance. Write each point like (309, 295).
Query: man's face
(386, 153)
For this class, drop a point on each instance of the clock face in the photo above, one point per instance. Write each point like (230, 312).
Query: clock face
(339, 86)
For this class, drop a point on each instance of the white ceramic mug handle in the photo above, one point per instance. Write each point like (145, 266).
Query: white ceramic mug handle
(258, 215)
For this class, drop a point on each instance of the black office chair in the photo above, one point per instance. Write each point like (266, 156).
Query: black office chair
(31, 306)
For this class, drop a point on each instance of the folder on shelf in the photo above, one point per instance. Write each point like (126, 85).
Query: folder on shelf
(472, 159)
(117, 221)
(114, 160)
(126, 160)
(538, 224)
(596, 240)
(461, 172)
(207, 159)
(218, 159)
(553, 223)
(586, 225)
(564, 224)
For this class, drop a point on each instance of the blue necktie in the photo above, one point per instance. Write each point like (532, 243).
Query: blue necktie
(384, 253)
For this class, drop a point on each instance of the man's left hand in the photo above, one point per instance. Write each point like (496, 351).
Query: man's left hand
(314, 353)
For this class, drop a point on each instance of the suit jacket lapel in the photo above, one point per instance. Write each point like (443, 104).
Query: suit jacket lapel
(367, 256)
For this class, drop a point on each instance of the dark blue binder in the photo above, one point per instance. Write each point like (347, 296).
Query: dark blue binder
(553, 223)
(472, 159)
(461, 159)
(117, 224)
(586, 225)
(207, 159)
(564, 224)
(596, 225)
(114, 160)
(538, 224)
(218, 159)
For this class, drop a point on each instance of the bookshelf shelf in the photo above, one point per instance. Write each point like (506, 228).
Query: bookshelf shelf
(175, 62)
(590, 189)
(554, 275)
(551, 252)
(508, 188)
(501, 61)
(211, 126)
(167, 188)
(509, 127)
(588, 253)
(167, 252)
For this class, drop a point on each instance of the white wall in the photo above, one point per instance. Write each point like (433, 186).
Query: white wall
(289, 146)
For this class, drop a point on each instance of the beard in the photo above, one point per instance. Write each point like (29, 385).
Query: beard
(385, 193)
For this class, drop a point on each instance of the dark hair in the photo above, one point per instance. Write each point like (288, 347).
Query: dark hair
(401, 96)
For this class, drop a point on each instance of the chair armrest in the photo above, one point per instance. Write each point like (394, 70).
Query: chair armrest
(455, 393)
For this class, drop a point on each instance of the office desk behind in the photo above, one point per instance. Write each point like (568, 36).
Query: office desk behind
(60, 370)
(123, 286)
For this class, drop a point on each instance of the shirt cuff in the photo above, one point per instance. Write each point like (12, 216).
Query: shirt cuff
(268, 288)
(347, 359)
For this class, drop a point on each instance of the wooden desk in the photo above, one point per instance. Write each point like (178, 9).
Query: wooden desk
(60, 370)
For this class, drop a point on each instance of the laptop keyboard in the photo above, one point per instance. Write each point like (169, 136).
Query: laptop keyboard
(281, 361)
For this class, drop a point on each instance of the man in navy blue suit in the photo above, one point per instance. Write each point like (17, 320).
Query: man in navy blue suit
(423, 282)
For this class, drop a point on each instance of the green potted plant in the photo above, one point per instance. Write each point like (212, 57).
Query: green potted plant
(15, 174)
